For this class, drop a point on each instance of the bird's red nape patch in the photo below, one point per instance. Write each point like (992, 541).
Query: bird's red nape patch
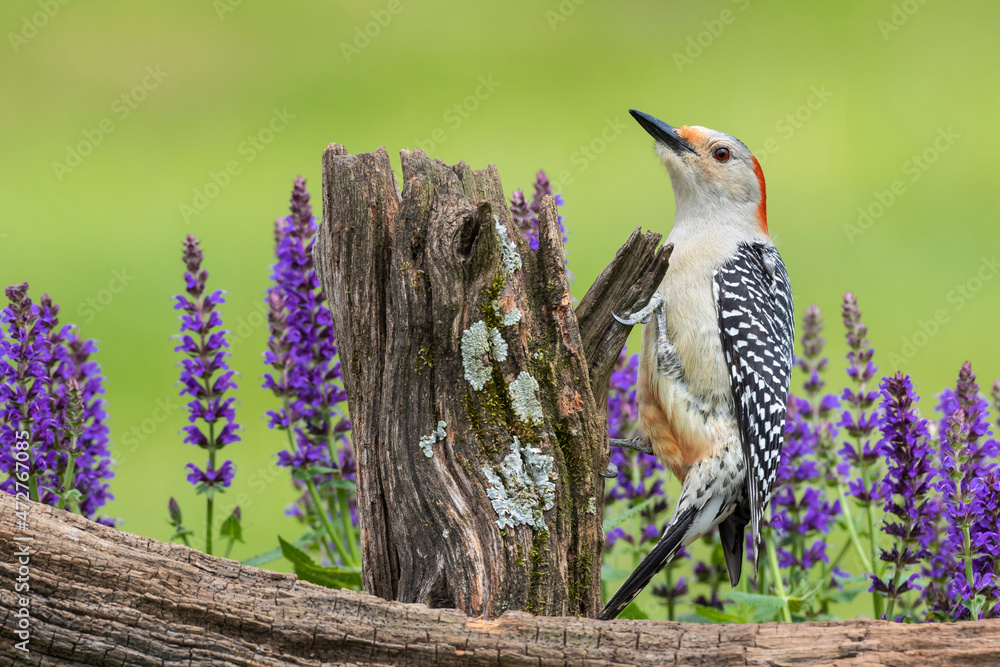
(762, 207)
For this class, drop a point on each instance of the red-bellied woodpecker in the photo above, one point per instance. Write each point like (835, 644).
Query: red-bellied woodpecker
(716, 355)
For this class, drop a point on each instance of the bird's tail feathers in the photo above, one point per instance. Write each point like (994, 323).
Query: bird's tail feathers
(731, 534)
(662, 553)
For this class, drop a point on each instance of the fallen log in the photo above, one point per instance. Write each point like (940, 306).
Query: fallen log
(103, 597)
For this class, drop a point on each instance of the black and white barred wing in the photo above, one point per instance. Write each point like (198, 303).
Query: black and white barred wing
(757, 327)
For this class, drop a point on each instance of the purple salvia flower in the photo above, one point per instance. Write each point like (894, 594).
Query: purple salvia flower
(92, 464)
(910, 510)
(985, 539)
(808, 470)
(638, 476)
(526, 215)
(950, 562)
(305, 374)
(205, 374)
(860, 421)
(959, 571)
(302, 345)
(801, 515)
(818, 406)
(51, 390)
(24, 356)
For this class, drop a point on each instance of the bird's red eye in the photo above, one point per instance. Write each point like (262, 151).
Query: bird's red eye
(721, 153)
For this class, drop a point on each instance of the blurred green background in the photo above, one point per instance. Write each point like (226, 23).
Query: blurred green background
(115, 116)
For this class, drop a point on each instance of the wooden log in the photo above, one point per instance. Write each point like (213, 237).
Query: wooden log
(103, 597)
(479, 433)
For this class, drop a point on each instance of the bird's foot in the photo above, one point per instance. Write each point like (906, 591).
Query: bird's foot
(611, 472)
(642, 316)
(637, 443)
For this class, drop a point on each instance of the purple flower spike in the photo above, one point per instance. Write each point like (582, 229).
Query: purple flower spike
(860, 421)
(26, 406)
(526, 215)
(302, 357)
(210, 478)
(205, 374)
(966, 561)
(51, 389)
(910, 510)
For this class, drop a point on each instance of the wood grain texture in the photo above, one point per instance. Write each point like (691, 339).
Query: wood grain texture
(104, 597)
(408, 275)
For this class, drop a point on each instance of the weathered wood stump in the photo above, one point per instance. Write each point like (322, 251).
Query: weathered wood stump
(103, 597)
(477, 392)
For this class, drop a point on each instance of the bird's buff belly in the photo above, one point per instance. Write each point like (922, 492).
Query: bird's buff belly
(681, 429)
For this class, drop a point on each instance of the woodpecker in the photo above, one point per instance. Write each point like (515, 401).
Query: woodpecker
(716, 356)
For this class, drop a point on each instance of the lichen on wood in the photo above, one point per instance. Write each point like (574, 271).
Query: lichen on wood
(446, 315)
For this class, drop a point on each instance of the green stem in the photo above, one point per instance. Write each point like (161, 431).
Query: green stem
(670, 589)
(318, 503)
(852, 530)
(345, 557)
(828, 567)
(32, 487)
(345, 518)
(68, 476)
(967, 549)
(345, 507)
(779, 585)
(229, 547)
(210, 507)
(872, 543)
(892, 598)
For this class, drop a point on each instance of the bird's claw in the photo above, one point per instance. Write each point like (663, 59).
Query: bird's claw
(637, 443)
(611, 472)
(628, 322)
(643, 315)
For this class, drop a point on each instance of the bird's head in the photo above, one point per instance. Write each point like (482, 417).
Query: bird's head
(715, 176)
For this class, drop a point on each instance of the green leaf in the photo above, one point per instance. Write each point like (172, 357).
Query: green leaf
(307, 570)
(756, 600)
(715, 616)
(975, 605)
(304, 540)
(633, 612)
(348, 484)
(846, 595)
(763, 615)
(181, 532)
(618, 519)
(612, 573)
(232, 529)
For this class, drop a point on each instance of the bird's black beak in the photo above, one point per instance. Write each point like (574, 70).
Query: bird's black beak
(662, 132)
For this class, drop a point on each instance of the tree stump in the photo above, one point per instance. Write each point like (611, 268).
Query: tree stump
(477, 392)
(98, 596)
